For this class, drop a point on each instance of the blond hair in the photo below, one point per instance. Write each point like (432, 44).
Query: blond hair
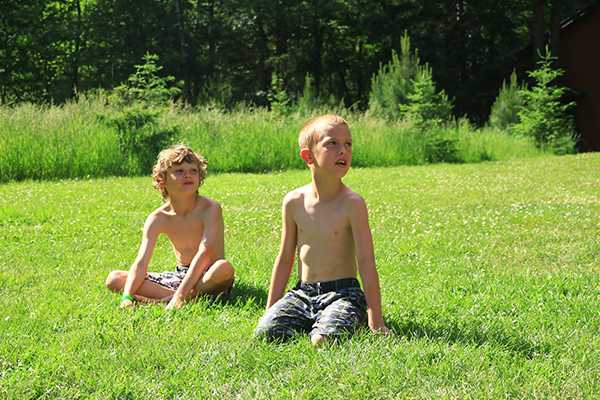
(309, 134)
(176, 155)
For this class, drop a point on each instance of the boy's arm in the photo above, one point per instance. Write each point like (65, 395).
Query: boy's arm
(284, 263)
(365, 256)
(137, 272)
(213, 228)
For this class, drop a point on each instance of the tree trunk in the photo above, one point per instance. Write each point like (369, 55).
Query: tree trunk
(77, 48)
(186, 80)
(555, 19)
(211, 41)
(538, 34)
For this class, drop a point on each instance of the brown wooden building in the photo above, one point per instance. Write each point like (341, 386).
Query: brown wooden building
(580, 59)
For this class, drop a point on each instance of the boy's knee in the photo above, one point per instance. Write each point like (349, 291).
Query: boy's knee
(317, 340)
(224, 271)
(115, 280)
(272, 333)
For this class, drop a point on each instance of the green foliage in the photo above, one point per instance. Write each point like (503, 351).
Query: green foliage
(505, 110)
(423, 103)
(405, 88)
(308, 99)
(145, 86)
(141, 135)
(217, 94)
(279, 100)
(142, 101)
(93, 137)
(543, 116)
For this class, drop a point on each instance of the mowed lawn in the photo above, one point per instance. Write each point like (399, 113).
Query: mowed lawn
(489, 277)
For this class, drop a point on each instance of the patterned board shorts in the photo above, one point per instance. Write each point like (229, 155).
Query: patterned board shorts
(333, 309)
(172, 280)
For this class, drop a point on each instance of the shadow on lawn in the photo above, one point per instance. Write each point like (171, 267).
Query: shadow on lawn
(469, 335)
(244, 292)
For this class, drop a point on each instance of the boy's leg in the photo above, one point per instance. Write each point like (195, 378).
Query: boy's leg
(344, 310)
(288, 316)
(150, 291)
(217, 279)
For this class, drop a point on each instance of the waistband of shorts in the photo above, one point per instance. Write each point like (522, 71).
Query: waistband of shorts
(329, 286)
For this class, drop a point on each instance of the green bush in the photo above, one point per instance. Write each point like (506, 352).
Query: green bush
(505, 110)
(141, 102)
(543, 116)
(404, 87)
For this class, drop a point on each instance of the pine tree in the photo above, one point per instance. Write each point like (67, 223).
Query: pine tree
(404, 87)
(504, 112)
(543, 116)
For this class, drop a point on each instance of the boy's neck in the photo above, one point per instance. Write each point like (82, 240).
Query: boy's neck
(183, 204)
(324, 188)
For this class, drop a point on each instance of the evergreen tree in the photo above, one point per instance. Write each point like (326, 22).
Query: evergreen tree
(543, 116)
(504, 112)
(405, 87)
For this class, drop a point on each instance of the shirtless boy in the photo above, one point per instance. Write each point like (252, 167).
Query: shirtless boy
(327, 224)
(194, 224)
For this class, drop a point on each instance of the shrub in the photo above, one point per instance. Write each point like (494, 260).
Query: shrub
(405, 87)
(504, 112)
(140, 103)
(543, 116)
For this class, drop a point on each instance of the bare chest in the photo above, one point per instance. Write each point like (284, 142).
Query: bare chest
(323, 222)
(185, 233)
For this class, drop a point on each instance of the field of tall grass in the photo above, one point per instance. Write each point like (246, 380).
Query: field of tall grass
(81, 139)
(489, 274)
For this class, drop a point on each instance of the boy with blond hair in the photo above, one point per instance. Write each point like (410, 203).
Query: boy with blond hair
(193, 224)
(327, 224)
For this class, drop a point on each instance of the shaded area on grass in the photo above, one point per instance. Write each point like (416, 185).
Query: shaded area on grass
(468, 335)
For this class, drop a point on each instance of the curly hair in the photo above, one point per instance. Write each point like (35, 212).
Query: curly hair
(178, 154)
(309, 134)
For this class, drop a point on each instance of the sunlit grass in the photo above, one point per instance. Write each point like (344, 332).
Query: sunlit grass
(489, 277)
(76, 140)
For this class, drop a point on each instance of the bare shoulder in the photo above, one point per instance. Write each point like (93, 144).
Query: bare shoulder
(208, 209)
(160, 214)
(158, 219)
(295, 195)
(353, 201)
(208, 203)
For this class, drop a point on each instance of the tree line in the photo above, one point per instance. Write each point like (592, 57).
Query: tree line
(251, 50)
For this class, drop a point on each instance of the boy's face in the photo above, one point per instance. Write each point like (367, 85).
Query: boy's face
(332, 152)
(182, 177)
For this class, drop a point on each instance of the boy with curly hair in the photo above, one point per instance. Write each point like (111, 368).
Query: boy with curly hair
(193, 224)
(327, 224)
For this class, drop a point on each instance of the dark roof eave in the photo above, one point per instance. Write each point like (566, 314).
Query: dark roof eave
(579, 15)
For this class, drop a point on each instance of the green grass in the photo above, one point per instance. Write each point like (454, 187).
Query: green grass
(489, 276)
(81, 139)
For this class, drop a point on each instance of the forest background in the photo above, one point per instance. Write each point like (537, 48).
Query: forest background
(248, 50)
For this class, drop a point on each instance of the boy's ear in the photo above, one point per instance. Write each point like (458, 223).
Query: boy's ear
(162, 183)
(306, 156)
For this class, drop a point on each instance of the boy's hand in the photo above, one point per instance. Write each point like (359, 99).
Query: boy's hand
(126, 304)
(175, 302)
(383, 330)
(143, 299)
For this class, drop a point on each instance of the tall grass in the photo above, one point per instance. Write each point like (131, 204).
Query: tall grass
(48, 142)
(75, 140)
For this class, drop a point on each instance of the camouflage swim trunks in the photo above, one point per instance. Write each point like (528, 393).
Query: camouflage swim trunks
(332, 308)
(172, 280)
